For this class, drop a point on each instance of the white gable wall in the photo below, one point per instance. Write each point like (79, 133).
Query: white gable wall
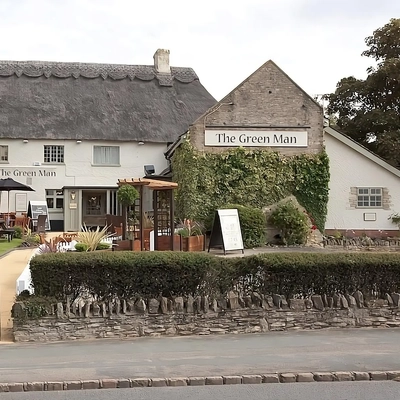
(349, 168)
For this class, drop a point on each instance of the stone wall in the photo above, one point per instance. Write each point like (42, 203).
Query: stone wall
(204, 316)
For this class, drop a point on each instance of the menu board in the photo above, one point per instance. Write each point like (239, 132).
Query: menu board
(36, 208)
(226, 231)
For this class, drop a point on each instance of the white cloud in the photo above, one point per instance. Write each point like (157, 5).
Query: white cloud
(317, 43)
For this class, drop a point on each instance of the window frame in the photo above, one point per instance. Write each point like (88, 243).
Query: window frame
(56, 148)
(5, 154)
(366, 193)
(55, 197)
(99, 164)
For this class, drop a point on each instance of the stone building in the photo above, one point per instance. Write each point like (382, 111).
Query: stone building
(269, 111)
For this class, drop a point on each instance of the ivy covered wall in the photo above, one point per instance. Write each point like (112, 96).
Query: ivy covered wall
(248, 177)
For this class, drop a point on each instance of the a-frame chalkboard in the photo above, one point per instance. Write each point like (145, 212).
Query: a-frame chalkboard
(36, 208)
(226, 232)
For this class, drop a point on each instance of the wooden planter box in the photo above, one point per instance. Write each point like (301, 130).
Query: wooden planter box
(164, 243)
(128, 245)
(192, 243)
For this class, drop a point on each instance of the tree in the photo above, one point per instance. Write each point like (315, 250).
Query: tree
(369, 110)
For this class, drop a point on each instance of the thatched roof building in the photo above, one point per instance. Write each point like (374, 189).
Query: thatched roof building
(54, 100)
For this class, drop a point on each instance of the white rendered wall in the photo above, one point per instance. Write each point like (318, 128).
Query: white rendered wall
(349, 168)
(77, 169)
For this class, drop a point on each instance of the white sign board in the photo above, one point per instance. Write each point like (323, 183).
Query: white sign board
(230, 138)
(226, 232)
(21, 202)
(230, 228)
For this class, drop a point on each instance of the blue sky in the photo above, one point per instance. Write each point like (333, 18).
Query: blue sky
(316, 42)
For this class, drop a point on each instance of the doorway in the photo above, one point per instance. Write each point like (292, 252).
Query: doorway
(94, 208)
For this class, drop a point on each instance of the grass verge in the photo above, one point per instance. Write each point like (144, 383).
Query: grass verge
(6, 246)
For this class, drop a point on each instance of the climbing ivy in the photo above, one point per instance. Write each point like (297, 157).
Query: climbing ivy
(249, 177)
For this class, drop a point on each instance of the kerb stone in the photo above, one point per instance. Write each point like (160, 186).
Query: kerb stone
(3, 387)
(378, 376)
(287, 378)
(123, 383)
(108, 383)
(55, 386)
(270, 378)
(158, 382)
(323, 376)
(34, 386)
(305, 377)
(140, 382)
(177, 382)
(15, 387)
(214, 380)
(232, 380)
(91, 384)
(343, 376)
(361, 376)
(251, 379)
(72, 385)
(197, 381)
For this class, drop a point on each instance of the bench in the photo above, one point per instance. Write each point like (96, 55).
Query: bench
(7, 232)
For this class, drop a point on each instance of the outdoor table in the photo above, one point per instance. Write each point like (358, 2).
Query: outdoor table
(7, 232)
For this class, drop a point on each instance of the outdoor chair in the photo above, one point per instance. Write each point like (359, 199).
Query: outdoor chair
(41, 223)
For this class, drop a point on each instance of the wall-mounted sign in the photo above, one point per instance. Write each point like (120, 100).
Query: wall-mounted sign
(20, 202)
(27, 172)
(230, 138)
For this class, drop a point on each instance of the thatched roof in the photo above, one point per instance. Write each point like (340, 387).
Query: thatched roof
(51, 100)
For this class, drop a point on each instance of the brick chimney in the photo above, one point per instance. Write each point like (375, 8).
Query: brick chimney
(161, 61)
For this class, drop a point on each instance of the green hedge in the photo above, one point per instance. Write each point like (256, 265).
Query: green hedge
(151, 274)
(123, 274)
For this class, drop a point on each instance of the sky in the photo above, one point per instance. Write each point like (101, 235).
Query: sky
(316, 42)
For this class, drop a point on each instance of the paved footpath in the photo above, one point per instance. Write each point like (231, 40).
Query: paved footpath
(306, 351)
(11, 267)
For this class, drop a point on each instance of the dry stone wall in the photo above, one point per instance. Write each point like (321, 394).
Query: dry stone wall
(204, 316)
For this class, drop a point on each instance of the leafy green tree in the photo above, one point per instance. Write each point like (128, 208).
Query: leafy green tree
(369, 110)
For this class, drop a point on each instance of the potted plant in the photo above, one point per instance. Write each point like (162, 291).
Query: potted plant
(191, 235)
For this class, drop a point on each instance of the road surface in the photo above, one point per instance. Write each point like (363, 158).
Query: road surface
(306, 351)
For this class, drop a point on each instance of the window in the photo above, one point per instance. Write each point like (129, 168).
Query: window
(53, 154)
(106, 155)
(3, 153)
(55, 199)
(369, 197)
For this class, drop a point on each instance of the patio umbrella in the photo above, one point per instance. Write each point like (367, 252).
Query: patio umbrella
(8, 184)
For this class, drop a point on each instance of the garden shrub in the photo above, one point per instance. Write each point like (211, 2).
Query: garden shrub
(18, 231)
(292, 223)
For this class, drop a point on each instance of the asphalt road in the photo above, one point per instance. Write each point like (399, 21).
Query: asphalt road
(306, 351)
(294, 391)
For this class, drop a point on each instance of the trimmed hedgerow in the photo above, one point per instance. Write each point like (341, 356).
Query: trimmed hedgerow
(122, 274)
(151, 274)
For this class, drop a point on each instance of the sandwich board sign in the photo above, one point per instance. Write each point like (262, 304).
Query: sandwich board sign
(36, 208)
(226, 232)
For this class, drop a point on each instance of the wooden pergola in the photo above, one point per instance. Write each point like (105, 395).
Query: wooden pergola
(163, 208)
